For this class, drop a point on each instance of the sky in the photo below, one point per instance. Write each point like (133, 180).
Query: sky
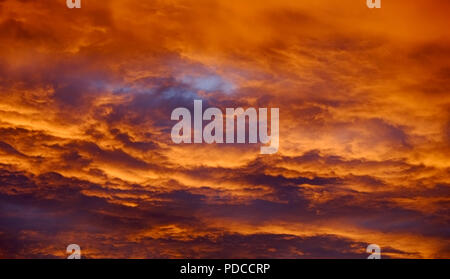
(86, 155)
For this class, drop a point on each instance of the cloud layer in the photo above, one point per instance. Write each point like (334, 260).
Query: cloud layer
(85, 149)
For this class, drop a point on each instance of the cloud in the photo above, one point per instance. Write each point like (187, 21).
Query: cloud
(86, 155)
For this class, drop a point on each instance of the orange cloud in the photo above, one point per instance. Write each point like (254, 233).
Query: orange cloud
(86, 155)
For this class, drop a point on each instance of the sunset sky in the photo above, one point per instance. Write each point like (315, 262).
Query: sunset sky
(86, 154)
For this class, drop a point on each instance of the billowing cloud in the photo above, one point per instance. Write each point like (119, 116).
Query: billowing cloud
(86, 155)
